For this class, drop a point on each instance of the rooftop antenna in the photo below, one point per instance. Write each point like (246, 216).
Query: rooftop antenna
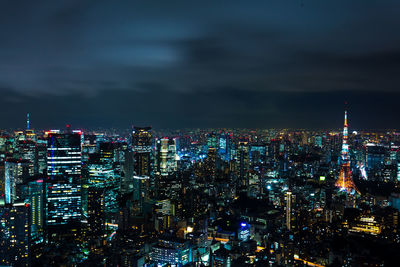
(27, 121)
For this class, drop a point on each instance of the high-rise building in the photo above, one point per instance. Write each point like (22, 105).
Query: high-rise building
(166, 156)
(212, 140)
(224, 146)
(375, 156)
(128, 172)
(14, 235)
(64, 155)
(318, 141)
(163, 211)
(210, 164)
(288, 210)
(16, 173)
(171, 250)
(142, 146)
(95, 216)
(41, 157)
(100, 171)
(257, 153)
(36, 200)
(63, 186)
(243, 163)
(2, 181)
(26, 150)
(63, 202)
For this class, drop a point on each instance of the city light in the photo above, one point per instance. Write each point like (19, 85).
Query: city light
(197, 133)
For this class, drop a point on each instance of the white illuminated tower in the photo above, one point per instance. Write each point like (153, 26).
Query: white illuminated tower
(27, 122)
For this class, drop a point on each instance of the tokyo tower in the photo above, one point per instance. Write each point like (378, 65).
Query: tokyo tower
(344, 181)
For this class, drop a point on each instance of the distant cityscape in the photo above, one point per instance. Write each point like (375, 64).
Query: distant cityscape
(199, 197)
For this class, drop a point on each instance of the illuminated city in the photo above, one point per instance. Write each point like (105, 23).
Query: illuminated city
(182, 134)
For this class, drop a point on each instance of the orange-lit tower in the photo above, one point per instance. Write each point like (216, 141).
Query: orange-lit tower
(344, 181)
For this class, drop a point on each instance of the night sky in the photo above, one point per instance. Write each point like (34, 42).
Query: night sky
(178, 64)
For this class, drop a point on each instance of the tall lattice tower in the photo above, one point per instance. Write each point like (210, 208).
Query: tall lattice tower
(28, 124)
(344, 181)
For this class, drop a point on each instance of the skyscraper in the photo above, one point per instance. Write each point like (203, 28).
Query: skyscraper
(16, 172)
(36, 199)
(26, 150)
(142, 147)
(14, 235)
(64, 155)
(212, 140)
(142, 141)
(243, 158)
(95, 216)
(166, 156)
(63, 202)
(224, 146)
(288, 210)
(63, 186)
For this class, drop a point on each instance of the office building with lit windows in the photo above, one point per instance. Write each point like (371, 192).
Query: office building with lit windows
(243, 163)
(171, 250)
(14, 234)
(63, 185)
(95, 216)
(36, 200)
(63, 202)
(142, 146)
(99, 171)
(166, 156)
(15, 174)
(64, 155)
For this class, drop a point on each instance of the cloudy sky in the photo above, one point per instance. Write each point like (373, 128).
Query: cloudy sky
(175, 64)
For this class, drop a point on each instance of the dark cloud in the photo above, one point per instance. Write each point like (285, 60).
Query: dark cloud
(207, 64)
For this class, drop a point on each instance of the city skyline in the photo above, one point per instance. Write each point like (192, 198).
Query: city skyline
(194, 134)
(67, 125)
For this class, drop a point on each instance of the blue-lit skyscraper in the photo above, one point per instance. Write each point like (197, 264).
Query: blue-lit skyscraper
(16, 171)
(63, 186)
(224, 146)
(64, 155)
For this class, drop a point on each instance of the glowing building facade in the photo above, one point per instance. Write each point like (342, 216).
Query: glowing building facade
(63, 186)
(36, 200)
(14, 235)
(142, 147)
(171, 251)
(64, 155)
(142, 141)
(16, 171)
